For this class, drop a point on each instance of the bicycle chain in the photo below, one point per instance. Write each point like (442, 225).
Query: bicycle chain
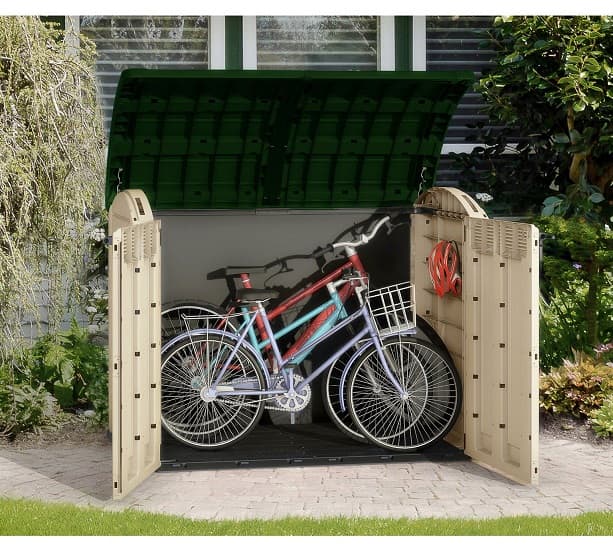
(277, 378)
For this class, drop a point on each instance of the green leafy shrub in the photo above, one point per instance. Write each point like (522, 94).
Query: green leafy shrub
(563, 324)
(65, 369)
(548, 97)
(576, 288)
(73, 369)
(23, 407)
(602, 419)
(577, 388)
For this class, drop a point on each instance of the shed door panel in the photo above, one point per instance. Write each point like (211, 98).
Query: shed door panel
(500, 278)
(135, 352)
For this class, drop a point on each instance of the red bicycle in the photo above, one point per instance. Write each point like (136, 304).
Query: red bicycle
(340, 286)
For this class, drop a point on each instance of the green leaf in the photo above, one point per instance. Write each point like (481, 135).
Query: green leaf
(592, 65)
(561, 138)
(575, 136)
(577, 148)
(579, 106)
(596, 197)
(552, 205)
(512, 58)
(67, 371)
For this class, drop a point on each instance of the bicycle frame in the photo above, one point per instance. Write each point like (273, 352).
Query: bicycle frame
(367, 330)
(323, 314)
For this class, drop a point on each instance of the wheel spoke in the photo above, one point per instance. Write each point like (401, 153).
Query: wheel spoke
(200, 419)
(430, 403)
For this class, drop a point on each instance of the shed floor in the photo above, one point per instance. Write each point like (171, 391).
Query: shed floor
(286, 445)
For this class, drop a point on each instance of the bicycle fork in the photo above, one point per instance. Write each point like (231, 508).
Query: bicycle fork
(388, 363)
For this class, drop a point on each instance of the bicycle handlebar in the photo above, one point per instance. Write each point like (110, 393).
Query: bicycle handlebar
(363, 238)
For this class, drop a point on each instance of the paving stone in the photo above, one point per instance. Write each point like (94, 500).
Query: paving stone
(574, 477)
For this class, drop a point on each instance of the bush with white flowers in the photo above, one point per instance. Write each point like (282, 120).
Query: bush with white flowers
(95, 290)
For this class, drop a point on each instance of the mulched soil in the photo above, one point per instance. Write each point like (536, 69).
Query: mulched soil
(76, 430)
(70, 430)
(567, 427)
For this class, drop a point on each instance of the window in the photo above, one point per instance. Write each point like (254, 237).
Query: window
(170, 42)
(317, 43)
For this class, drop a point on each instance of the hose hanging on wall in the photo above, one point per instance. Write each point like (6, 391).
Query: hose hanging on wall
(444, 268)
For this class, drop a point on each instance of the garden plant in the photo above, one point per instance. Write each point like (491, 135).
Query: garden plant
(51, 175)
(549, 148)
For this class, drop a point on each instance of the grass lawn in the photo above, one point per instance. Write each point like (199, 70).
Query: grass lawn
(29, 518)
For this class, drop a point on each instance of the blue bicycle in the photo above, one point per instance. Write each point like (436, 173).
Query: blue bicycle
(399, 392)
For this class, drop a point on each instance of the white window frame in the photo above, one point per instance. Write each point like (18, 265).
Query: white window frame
(250, 43)
(418, 47)
(386, 43)
(217, 42)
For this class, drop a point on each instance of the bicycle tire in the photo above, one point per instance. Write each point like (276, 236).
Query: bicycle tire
(330, 389)
(172, 323)
(198, 422)
(427, 412)
(330, 393)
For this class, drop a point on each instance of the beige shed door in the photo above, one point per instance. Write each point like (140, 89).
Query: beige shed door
(491, 330)
(501, 289)
(134, 340)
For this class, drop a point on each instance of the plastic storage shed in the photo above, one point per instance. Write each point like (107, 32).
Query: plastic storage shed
(226, 141)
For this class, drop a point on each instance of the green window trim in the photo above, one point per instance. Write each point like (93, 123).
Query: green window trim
(234, 42)
(403, 33)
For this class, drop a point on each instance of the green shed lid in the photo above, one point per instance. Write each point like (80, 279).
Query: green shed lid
(279, 139)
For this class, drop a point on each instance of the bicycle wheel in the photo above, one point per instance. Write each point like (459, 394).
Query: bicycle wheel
(172, 321)
(191, 416)
(330, 392)
(330, 389)
(430, 403)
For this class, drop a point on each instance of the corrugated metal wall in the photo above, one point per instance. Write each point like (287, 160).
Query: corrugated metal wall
(454, 44)
(459, 43)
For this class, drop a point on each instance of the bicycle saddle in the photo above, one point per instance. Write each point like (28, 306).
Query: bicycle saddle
(256, 295)
(235, 271)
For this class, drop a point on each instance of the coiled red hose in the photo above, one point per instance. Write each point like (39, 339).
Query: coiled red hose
(444, 268)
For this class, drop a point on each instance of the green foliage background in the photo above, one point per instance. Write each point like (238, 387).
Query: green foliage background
(551, 89)
(51, 171)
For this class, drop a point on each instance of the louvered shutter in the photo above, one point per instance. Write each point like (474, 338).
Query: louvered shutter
(317, 43)
(452, 44)
(169, 42)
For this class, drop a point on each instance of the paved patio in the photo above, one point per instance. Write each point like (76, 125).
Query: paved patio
(575, 477)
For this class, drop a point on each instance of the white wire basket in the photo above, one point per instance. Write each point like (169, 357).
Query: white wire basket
(392, 308)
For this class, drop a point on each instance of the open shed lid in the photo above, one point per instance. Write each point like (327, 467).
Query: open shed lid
(279, 139)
